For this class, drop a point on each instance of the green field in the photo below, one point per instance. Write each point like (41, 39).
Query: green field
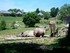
(18, 20)
(11, 19)
(28, 45)
(10, 31)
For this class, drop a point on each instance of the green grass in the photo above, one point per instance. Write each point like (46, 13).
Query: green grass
(10, 20)
(28, 46)
(43, 23)
(46, 41)
(13, 31)
(10, 31)
(18, 43)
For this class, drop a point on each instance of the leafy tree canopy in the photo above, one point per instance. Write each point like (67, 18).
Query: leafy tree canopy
(64, 11)
(30, 19)
(45, 14)
(37, 10)
(54, 11)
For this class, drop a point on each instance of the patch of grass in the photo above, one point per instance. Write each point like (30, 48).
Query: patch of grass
(46, 41)
(13, 31)
(10, 31)
(43, 23)
(48, 45)
(10, 20)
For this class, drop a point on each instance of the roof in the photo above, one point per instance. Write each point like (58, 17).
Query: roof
(18, 13)
(40, 14)
(5, 12)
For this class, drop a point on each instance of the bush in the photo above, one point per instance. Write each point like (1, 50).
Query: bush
(13, 14)
(2, 25)
(59, 21)
(30, 19)
(1, 14)
(64, 11)
(46, 15)
(13, 25)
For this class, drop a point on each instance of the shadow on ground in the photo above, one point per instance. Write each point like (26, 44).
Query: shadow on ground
(31, 48)
(63, 46)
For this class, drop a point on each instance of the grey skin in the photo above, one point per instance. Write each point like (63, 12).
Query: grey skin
(40, 32)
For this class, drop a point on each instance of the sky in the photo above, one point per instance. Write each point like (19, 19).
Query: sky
(32, 5)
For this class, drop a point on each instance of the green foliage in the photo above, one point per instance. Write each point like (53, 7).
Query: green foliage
(45, 14)
(13, 14)
(64, 11)
(65, 42)
(37, 10)
(59, 21)
(14, 11)
(14, 32)
(30, 19)
(2, 25)
(13, 25)
(35, 45)
(1, 14)
(54, 11)
(44, 22)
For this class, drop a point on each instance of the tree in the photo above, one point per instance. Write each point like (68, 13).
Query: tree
(30, 19)
(64, 11)
(54, 11)
(37, 10)
(46, 15)
(2, 25)
(14, 11)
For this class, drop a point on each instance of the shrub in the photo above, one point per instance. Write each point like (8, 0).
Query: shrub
(46, 15)
(2, 25)
(59, 21)
(64, 11)
(13, 25)
(30, 19)
(1, 14)
(13, 14)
